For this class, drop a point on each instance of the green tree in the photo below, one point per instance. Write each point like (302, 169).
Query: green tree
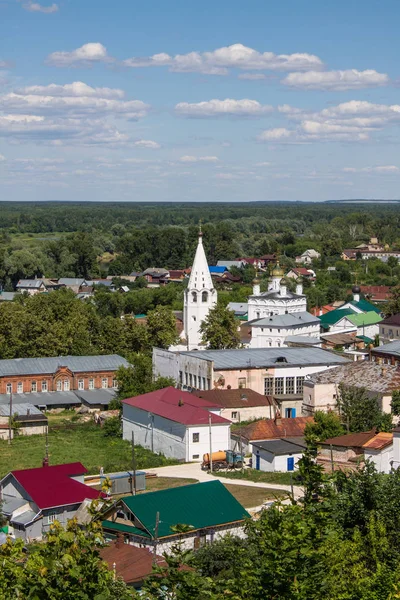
(395, 403)
(325, 425)
(359, 410)
(392, 306)
(161, 327)
(138, 378)
(220, 329)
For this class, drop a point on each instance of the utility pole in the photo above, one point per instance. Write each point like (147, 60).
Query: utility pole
(156, 538)
(152, 431)
(133, 478)
(10, 420)
(332, 465)
(209, 429)
(241, 444)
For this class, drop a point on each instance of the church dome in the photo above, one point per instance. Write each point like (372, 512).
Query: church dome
(356, 289)
(277, 271)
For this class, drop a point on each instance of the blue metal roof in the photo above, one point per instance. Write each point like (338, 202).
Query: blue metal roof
(76, 364)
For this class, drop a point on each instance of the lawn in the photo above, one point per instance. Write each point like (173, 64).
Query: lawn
(85, 443)
(248, 496)
(258, 476)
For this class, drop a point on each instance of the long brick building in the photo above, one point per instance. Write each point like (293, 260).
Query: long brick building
(59, 374)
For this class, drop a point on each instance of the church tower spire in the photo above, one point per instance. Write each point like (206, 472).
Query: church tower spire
(200, 296)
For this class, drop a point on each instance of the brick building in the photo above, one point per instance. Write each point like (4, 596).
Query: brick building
(59, 374)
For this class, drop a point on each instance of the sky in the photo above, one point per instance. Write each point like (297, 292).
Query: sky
(217, 101)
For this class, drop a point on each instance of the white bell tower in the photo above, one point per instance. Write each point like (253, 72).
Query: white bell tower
(200, 297)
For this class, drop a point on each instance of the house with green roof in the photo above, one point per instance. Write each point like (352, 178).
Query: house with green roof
(193, 515)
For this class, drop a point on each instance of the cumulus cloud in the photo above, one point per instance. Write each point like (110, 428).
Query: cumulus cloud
(219, 61)
(276, 134)
(196, 159)
(218, 108)
(74, 99)
(350, 79)
(252, 76)
(383, 169)
(36, 7)
(147, 144)
(2, 157)
(85, 56)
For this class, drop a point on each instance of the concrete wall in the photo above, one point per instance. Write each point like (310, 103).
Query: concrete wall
(11, 487)
(220, 436)
(264, 337)
(381, 458)
(248, 412)
(322, 396)
(262, 306)
(186, 370)
(270, 462)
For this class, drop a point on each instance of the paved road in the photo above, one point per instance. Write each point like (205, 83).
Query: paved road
(193, 471)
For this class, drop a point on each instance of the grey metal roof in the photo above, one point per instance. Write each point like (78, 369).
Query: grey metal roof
(303, 340)
(25, 518)
(29, 283)
(297, 319)
(239, 307)
(275, 295)
(230, 263)
(71, 281)
(390, 348)
(262, 358)
(8, 296)
(21, 410)
(76, 364)
(11, 503)
(280, 447)
(371, 375)
(101, 396)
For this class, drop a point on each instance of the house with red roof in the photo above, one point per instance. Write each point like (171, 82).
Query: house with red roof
(175, 423)
(32, 499)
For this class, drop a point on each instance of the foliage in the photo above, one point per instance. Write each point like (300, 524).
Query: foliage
(138, 378)
(392, 307)
(325, 425)
(360, 411)
(395, 404)
(112, 427)
(220, 329)
(67, 565)
(161, 326)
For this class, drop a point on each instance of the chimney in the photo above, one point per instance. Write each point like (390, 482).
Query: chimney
(28, 412)
(180, 403)
(119, 542)
(278, 419)
(45, 462)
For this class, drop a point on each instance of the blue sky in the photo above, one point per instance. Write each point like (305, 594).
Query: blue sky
(210, 101)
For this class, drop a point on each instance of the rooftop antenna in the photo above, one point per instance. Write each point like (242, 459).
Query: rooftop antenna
(200, 231)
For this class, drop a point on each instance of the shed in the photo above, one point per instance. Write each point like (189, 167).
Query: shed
(122, 482)
(277, 455)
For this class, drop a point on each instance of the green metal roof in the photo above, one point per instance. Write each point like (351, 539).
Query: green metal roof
(366, 306)
(365, 339)
(110, 525)
(333, 316)
(369, 318)
(199, 505)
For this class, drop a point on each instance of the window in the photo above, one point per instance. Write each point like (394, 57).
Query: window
(209, 384)
(290, 385)
(195, 438)
(204, 297)
(180, 377)
(242, 382)
(51, 517)
(204, 383)
(81, 384)
(195, 456)
(234, 415)
(9, 388)
(268, 386)
(20, 387)
(186, 379)
(299, 385)
(44, 386)
(104, 383)
(33, 386)
(66, 385)
(91, 384)
(190, 380)
(290, 413)
(59, 385)
(383, 330)
(279, 386)
(194, 296)
(195, 381)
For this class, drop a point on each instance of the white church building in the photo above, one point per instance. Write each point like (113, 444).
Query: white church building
(200, 297)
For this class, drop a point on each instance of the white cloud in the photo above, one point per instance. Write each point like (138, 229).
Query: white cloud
(219, 61)
(36, 7)
(350, 79)
(147, 144)
(84, 56)
(277, 134)
(77, 88)
(263, 164)
(195, 159)
(2, 157)
(382, 169)
(228, 107)
(252, 76)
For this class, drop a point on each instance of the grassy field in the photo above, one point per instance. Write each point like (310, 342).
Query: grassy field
(85, 443)
(258, 476)
(248, 496)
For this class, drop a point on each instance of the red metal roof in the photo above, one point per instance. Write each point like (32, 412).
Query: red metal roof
(131, 563)
(270, 429)
(52, 486)
(351, 440)
(177, 406)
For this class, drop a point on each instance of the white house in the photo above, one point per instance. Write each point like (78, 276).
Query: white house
(278, 300)
(175, 423)
(380, 450)
(273, 331)
(307, 257)
(277, 455)
(200, 297)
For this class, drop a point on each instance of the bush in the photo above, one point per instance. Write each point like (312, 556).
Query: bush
(112, 427)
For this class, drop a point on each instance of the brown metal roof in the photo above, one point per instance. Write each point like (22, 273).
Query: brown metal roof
(351, 440)
(272, 429)
(379, 441)
(235, 398)
(131, 563)
(392, 320)
(371, 375)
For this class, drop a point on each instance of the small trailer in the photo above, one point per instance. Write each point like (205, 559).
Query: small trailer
(227, 459)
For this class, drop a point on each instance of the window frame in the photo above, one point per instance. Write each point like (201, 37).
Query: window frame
(196, 434)
(91, 384)
(44, 386)
(81, 384)
(33, 387)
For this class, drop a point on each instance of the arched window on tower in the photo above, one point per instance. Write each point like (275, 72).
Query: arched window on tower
(194, 296)
(204, 297)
